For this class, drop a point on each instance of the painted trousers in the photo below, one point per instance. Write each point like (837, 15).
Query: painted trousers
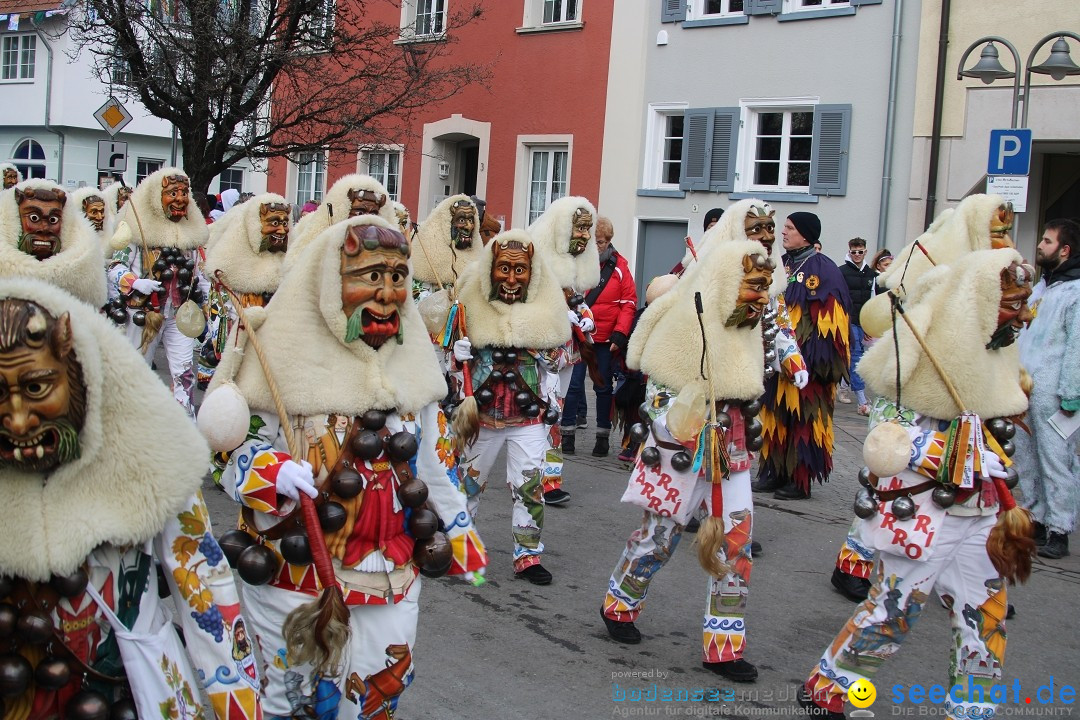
(526, 446)
(553, 458)
(377, 663)
(652, 545)
(855, 557)
(1049, 468)
(180, 350)
(963, 576)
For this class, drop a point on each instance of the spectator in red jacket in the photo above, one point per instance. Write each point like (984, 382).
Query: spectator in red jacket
(613, 303)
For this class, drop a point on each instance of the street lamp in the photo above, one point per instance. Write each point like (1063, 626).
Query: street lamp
(989, 68)
(1058, 66)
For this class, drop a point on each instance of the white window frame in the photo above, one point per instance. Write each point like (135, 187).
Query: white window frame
(321, 26)
(533, 18)
(526, 144)
(744, 181)
(659, 114)
(222, 187)
(364, 166)
(794, 6)
(696, 10)
(22, 68)
(159, 162)
(438, 10)
(29, 167)
(551, 192)
(298, 168)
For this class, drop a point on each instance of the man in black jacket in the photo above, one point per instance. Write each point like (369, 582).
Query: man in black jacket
(859, 276)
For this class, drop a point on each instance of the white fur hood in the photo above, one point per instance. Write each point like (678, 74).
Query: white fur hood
(146, 218)
(538, 323)
(433, 258)
(141, 457)
(303, 338)
(551, 234)
(234, 249)
(731, 228)
(79, 267)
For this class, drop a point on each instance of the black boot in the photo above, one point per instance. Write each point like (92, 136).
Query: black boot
(624, 632)
(791, 492)
(766, 484)
(600, 449)
(1056, 547)
(735, 670)
(568, 442)
(851, 587)
(814, 710)
(1040, 534)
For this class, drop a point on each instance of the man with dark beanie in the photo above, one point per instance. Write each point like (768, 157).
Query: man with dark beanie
(859, 276)
(798, 430)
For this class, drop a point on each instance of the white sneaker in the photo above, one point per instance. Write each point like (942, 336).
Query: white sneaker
(843, 396)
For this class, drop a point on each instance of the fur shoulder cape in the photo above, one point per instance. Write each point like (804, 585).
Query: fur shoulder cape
(141, 457)
(538, 323)
(79, 267)
(146, 218)
(667, 343)
(316, 371)
(551, 235)
(234, 249)
(433, 257)
(731, 228)
(335, 209)
(955, 309)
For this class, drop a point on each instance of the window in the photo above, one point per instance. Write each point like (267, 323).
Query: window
(780, 149)
(560, 11)
(429, 17)
(144, 167)
(29, 158)
(120, 71)
(548, 178)
(310, 177)
(231, 179)
(385, 166)
(17, 57)
(799, 5)
(321, 23)
(663, 148)
(700, 9)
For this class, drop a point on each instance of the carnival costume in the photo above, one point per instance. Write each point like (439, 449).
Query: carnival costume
(10, 176)
(373, 365)
(88, 509)
(516, 321)
(90, 203)
(979, 222)
(75, 265)
(936, 481)
(246, 252)
(798, 423)
(698, 455)
(446, 243)
(565, 236)
(157, 272)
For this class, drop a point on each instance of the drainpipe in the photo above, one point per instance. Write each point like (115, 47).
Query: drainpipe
(890, 123)
(48, 103)
(935, 133)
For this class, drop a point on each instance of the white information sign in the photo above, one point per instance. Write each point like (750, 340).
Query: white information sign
(1014, 188)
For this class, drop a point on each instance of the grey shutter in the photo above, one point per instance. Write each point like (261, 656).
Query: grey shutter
(725, 145)
(764, 7)
(832, 135)
(672, 11)
(696, 149)
(856, 3)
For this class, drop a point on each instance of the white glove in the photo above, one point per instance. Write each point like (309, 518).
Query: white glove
(295, 478)
(146, 286)
(586, 324)
(800, 378)
(463, 350)
(992, 465)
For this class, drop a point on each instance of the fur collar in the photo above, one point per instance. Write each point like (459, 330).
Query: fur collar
(147, 220)
(79, 267)
(433, 258)
(315, 370)
(666, 344)
(731, 228)
(538, 323)
(551, 235)
(955, 309)
(142, 458)
(336, 201)
(234, 249)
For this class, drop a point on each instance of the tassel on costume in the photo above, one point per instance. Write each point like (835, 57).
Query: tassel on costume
(710, 537)
(1011, 545)
(154, 321)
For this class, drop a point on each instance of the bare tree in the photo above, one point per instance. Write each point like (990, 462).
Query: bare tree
(267, 78)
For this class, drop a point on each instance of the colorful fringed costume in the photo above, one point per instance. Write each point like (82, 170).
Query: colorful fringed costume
(798, 426)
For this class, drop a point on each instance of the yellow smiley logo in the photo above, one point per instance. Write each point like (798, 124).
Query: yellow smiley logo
(862, 693)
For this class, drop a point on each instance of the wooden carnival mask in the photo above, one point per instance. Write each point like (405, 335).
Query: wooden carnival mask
(760, 225)
(41, 213)
(374, 283)
(753, 292)
(11, 178)
(175, 196)
(365, 202)
(122, 196)
(462, 224)
(274, 222)
(1001, 222)
(403, 219)
(511, 271)
(1013, 312)
(42, 392)
(93, 207)
(580, 231)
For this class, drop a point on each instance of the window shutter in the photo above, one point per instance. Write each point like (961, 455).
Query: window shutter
(672, 11)
(832, 135)
(856, 3)
(697, 149)
(725, 144)
(764, 7)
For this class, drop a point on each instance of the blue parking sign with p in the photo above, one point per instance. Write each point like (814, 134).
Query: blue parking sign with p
(1010, 152)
